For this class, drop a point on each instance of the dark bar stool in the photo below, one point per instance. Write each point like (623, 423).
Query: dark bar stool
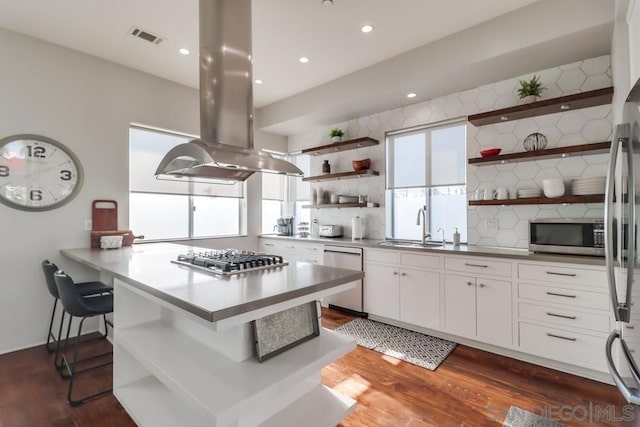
(84, 288)
(85, 307)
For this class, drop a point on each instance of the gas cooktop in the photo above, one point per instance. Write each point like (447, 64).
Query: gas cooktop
(229, 261)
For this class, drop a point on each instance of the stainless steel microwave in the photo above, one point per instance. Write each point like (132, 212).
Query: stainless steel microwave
(574, 236)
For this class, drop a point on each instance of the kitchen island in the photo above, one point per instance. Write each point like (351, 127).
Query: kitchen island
(183, 343)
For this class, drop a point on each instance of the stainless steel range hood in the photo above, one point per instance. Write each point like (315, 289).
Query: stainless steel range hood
(225, 150)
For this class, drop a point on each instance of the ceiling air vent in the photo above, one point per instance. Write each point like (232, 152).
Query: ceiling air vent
(145, 35)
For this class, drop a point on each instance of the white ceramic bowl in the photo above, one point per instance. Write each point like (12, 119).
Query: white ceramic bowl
(553, 187)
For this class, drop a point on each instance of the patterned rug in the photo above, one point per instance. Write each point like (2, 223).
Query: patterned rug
(413, 347)
(518, 417)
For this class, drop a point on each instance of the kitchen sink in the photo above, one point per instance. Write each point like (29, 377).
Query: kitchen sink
(399, 244)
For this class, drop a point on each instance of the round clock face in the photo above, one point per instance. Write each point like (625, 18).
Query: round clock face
(37, 173)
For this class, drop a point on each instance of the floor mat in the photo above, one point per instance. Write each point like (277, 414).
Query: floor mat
(413, 347)
(518, 417)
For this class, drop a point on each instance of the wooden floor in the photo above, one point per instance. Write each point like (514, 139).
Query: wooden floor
(470, 388)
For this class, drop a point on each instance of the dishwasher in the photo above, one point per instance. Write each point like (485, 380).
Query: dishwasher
(350, 258)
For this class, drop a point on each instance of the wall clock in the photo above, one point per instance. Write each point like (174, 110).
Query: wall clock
(37, 173)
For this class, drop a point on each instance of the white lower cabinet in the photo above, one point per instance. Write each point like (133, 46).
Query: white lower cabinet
(563, 313)
(399, 289)
(478, 308)
(293, 251)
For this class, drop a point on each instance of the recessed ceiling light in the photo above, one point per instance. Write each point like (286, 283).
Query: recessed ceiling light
(411, 95)
(258, 81)
(303, 59)
(366, 28)
(184, 51)
(327, 2)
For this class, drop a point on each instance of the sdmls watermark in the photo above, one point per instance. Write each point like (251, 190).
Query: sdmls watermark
(592, 413)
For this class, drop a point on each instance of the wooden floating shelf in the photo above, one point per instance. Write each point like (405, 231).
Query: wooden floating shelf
(594, 198)
(595, 148)
(351, 144)
(576, 101)
(341, 175)
(337, 205)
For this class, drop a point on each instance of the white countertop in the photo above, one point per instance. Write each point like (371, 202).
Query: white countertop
(489, 251)
(213, 297)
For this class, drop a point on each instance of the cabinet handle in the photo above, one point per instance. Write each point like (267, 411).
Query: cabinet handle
(269, 244)
(312, 260)
(560, 295)
(630, 327)
(395, 273)
(469, 283)
(561, 274)
(561, 315)
(482, 285)
(561, 337)
(403, 274)
(312, 249)
(475, 265)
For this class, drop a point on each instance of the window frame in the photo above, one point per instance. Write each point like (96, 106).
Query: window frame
(389, 164)
(189, 194)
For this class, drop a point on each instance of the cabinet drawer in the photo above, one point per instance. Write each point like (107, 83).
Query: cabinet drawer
(631, 331)
(388, 256)
(568, 297)
(568, 347)
(478, 266)
(565, 317)
(567, 275)
(419, 260)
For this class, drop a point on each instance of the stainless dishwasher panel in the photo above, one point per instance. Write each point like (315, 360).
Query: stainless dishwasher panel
(350, 258)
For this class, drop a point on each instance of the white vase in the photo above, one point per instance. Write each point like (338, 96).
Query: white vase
(336, 138)
(528, 99)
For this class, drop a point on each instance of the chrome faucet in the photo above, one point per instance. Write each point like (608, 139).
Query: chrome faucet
(443, 242)
(422, 212)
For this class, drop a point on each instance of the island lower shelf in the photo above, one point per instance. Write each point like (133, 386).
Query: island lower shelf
(171, 368)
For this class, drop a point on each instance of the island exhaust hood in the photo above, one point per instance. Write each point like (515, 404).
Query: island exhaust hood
(225, 150)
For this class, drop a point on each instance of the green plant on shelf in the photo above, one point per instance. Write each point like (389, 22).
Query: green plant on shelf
(531, 87)
(339, 133)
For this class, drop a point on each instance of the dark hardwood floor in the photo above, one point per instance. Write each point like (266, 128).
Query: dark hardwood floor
(470, 388)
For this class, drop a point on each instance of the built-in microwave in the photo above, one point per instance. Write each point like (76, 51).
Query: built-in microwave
(575, 236)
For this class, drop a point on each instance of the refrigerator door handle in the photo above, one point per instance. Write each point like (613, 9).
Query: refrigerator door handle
(631, 228)
(632, 395)
(608, 221)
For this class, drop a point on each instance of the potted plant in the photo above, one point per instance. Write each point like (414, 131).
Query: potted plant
(336, 135)
(530, 90)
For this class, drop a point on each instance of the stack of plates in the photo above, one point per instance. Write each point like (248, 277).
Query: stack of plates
(586, 186)
(529, 192)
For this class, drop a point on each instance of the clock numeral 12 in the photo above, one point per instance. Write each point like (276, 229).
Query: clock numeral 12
(65, 175)
(35, 195)
(4, 171)
(37, 152)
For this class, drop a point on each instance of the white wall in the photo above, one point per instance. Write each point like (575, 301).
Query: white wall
(510, 230)
(87, 104)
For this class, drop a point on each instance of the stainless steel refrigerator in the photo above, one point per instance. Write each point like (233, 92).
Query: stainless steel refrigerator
(621, 217)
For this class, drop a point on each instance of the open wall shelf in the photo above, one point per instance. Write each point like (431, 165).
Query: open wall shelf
(350, 144)
(341, 175)
(576, 101)
(583, 149)
(594, 198)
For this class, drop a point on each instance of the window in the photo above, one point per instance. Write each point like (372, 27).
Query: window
(426, 167)
(285, 197)
(177, 210)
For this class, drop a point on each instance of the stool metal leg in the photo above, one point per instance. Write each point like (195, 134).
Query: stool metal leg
(50, 335)
(71, 368)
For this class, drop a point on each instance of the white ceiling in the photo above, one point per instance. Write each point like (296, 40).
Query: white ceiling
(283, 30)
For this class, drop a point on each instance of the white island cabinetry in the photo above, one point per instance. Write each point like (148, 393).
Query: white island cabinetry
(183, 344)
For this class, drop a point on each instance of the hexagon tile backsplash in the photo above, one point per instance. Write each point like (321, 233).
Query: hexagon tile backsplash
(505, 226)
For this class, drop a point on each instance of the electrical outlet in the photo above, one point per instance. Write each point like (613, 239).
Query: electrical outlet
(88, 225)
(492, 224)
